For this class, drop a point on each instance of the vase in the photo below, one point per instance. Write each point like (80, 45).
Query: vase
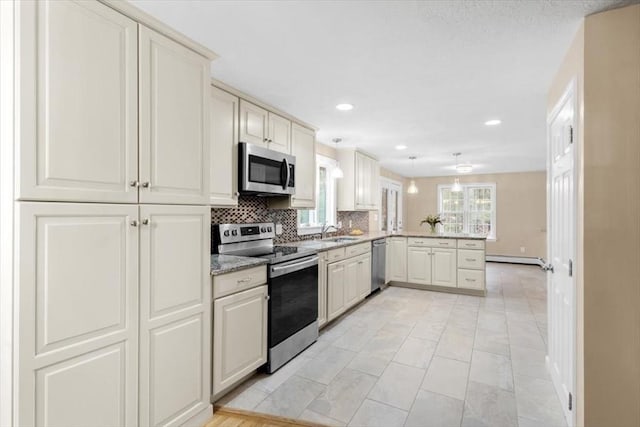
(433, 228)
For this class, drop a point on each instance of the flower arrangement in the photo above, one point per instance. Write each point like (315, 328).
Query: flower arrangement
(432, 220)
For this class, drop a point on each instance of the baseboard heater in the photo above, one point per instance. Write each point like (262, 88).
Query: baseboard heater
(516, 260)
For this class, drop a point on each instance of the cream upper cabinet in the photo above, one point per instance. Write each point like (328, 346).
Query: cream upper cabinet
(254, 124)
(444, 268)
(304, 149)
(364, 276)
(78, 103)
(174, 122)
(419, 265)
(224, 148)
(77, 296)
(175, 313)
(397, 254)
(279, 133)
(240, 336)
(358, 189)
(335, 290)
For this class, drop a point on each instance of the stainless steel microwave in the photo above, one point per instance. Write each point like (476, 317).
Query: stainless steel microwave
(265, 172)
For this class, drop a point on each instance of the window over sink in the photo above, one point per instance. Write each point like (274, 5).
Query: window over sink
(471, 210)
(310, 221)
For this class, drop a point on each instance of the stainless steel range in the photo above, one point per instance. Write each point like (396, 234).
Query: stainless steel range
(293, 286)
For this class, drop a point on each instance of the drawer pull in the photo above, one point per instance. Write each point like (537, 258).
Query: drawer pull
(471, 259)
(444, 243)
(470, 280)
(245, 280)
(267, 297)
(469, 244)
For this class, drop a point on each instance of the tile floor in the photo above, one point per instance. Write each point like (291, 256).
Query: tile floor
(407, 357)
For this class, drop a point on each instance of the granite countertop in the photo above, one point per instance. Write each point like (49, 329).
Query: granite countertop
(221, 264)
(367, 237)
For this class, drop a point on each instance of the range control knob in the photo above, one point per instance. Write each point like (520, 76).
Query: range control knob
(269, 229)
(234, 232)
(263, 230)
(226, 233)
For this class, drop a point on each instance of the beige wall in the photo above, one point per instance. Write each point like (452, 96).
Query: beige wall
(605, 60)
(521, 214)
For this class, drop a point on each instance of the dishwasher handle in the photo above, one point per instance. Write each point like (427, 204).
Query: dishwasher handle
(379, 243)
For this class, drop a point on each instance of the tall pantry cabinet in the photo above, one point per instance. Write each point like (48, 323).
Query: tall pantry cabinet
(111, 319)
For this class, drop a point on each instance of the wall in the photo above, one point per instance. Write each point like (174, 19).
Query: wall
(520, 215)
(605, 60)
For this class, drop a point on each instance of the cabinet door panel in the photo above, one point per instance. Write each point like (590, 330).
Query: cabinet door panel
(364, 276)
(175, 313)
(335, 289)
(351, 289)
(279, 133)
(419, 265)
(444, 267)
(79, 118)
(224, 148)
(303, 146)
(253, 124)
(397, 259)
(174, 122)
(78, 308)
(240, 336)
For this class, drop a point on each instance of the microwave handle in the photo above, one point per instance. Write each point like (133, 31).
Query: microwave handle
(285, 184)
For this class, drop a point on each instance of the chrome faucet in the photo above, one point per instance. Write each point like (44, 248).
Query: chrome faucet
(325, 229)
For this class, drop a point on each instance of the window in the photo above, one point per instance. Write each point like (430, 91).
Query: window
(472, 210)
(310, 221)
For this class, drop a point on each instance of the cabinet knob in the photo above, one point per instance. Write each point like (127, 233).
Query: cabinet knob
(145, 221)
(145, 185)
(134, 223)
(266, 139)
(237, 194)
(267, 297)
(134, 184)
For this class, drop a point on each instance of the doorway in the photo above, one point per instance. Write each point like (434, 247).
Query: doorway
(561, 212)
(390, 205)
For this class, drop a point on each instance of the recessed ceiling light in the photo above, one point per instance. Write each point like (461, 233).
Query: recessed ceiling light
(344, 107)
(401, 147)
(493, 122)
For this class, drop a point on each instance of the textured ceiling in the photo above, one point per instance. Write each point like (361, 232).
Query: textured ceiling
(422, 74)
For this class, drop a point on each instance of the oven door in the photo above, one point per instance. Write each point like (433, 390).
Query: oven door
(293, 302)
(264, 171)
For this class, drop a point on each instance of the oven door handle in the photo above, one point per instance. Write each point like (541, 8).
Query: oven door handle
(277, 271)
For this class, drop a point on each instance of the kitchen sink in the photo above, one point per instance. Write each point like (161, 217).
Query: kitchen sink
(341, 239)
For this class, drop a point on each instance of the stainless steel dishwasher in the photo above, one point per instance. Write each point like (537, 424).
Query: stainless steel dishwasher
(378, 263)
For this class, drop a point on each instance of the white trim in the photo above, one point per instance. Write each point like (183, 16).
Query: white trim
(494, 202)
(330, 164)
(516, 260)
(388, 182)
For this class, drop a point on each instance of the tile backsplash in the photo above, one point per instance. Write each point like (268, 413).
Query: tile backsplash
(256, 209)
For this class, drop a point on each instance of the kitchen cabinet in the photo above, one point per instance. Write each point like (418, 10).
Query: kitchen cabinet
(174, 122)
(111, 111)
(427, 265)
(443, 262)
(358, 189)
(419, 265)
(175, 313)
(223, 185)
(322, 288)
(351, 287)
(364, 276)
(78, 117)
(348, 283)
(397, 255)
(240, 336)
(264, 128)
(471, 265)
(335, 290)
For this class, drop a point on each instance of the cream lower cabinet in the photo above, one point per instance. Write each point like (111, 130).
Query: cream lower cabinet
(364, 276)
(419, 265)
(348, 283)
(351, 287)
(443, 267)
(397, 258)
(322, 289)
(335, 290)
(239, 336)
(224, 148)
(430, 265)
(175, 313)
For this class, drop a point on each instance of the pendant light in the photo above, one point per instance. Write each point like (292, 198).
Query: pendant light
(337, 171)
(456, 188)
(413, 188)
(462, 167)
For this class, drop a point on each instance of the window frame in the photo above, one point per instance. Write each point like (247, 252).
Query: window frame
(332, 196)
(465, 201)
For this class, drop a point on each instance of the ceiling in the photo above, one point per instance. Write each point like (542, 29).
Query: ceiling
(425, 74)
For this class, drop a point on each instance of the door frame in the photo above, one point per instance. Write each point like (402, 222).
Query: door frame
(386, 183)
(570, 92)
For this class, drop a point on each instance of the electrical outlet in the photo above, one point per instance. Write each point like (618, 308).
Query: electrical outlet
(522, 249)
(278, 229)
(350, 223)
(339, 225)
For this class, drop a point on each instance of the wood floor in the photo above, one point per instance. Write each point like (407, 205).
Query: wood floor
(226, 417)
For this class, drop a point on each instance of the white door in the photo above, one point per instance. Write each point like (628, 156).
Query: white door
(240, 336)
(561, 250)
(174, 122)
(253, 124)
(303, 147)
(224, 148)
(444, 267)
(175, 313)
(77, 358)
(419, 265)
(78, 103)
(279, 134)
(335, 290)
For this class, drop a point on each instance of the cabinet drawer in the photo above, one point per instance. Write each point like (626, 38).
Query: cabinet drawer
(230, 283)
(471, 244)
(472, 259)
(471, 279)
(358, 249)
(335, 254)
(431, 242)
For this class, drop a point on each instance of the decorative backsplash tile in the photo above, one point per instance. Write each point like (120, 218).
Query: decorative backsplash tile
(256, 209)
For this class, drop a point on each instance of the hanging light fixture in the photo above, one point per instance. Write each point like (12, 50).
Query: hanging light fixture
(456, 188)
(413, 188)
(462, 167)
(337, 171)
